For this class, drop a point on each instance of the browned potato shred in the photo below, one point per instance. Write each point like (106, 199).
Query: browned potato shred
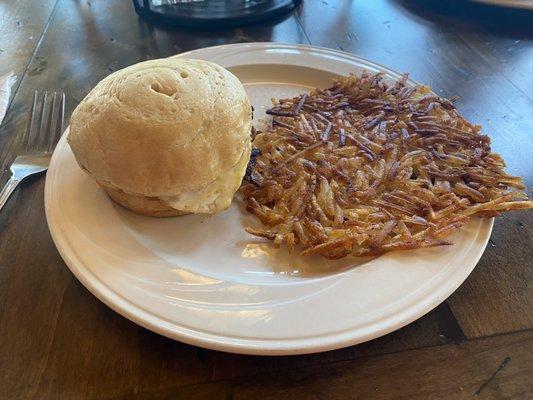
(363, 168)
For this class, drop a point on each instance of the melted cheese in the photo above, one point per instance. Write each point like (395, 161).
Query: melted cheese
(214, 197)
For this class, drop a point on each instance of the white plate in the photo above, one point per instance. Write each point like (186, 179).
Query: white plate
(204, 281)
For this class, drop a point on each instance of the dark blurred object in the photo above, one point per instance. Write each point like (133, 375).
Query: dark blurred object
(474, 15)
(525, 4)
(212, 13)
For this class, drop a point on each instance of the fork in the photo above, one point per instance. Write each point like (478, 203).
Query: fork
(43, 130)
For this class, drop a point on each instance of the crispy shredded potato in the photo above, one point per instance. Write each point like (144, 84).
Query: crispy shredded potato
(363, 168)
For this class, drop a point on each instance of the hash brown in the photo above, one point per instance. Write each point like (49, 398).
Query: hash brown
(365, 167)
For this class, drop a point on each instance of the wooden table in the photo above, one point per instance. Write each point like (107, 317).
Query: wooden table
(57, 341)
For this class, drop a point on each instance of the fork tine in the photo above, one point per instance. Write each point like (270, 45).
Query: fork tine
(25, 140)
(59, 123)
(47, 137)
(40, 128)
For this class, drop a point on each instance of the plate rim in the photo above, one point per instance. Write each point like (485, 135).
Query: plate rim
(140, 316)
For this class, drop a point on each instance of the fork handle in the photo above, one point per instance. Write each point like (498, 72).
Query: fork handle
(7, 190)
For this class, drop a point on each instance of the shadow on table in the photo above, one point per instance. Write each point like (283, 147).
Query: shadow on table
(501, 21)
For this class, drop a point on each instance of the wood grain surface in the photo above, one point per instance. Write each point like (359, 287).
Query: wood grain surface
(21, 29)
(57, 341)
(489, 368)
